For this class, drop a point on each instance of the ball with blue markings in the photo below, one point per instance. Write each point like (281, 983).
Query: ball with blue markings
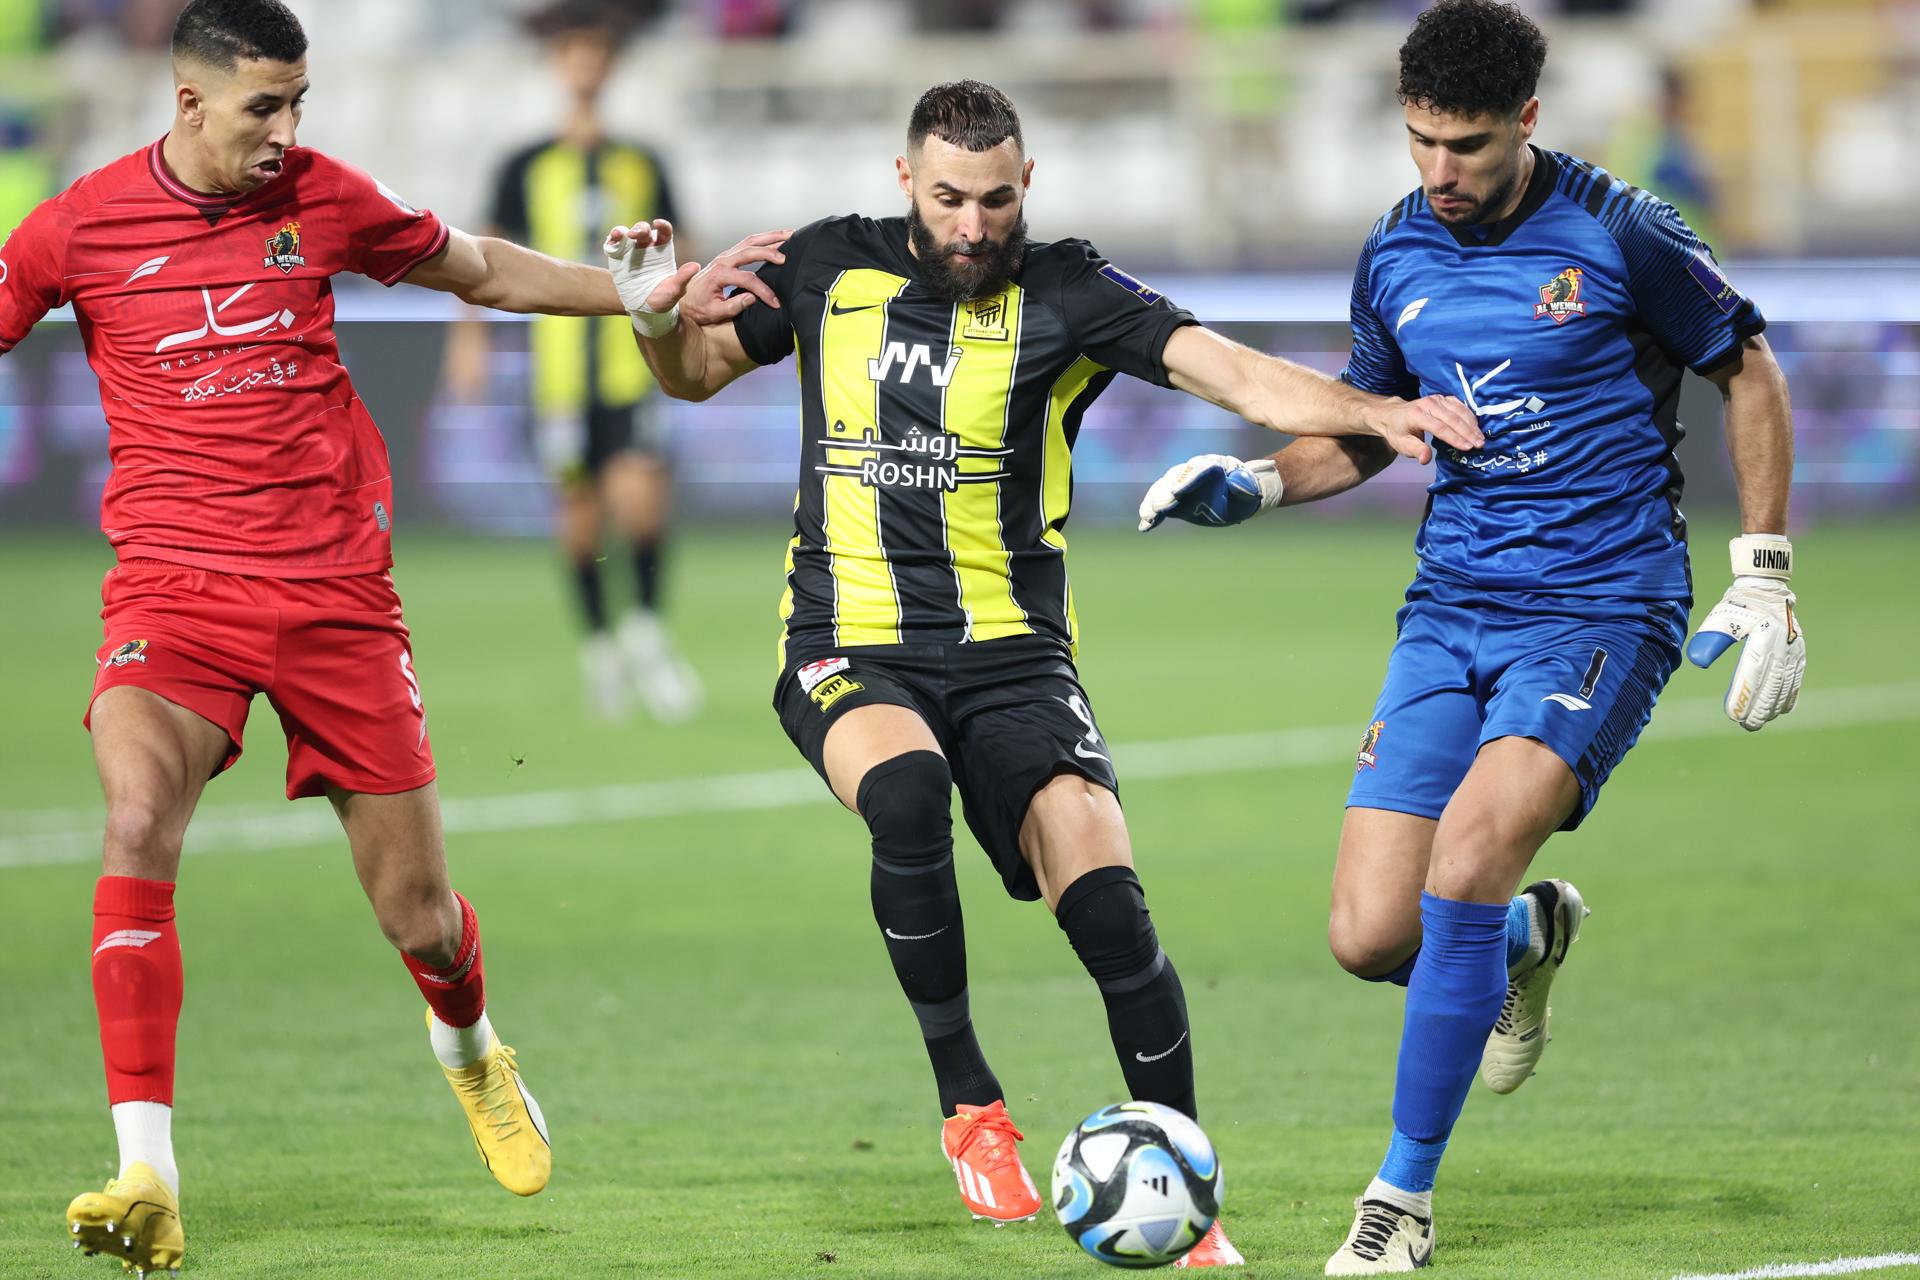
(1136, 1184)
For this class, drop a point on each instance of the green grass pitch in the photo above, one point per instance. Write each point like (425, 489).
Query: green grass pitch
(734, 1083)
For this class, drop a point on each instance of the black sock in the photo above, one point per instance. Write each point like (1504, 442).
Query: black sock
(916, 902)
(586, 581)
(646, 570)
(961, 1072)
(1104, 915)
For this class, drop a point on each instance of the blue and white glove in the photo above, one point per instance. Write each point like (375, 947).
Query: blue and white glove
(1757, 608)
(1212, 489)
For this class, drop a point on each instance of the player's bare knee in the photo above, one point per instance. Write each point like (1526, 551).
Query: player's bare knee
(142, 837)
(1364, 948)
(425, 925)
(1479, 856)
(1483, 873)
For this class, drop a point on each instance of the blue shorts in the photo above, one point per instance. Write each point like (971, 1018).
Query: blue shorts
(1580, 676)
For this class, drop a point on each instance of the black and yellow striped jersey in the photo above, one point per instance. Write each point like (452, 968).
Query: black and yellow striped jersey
(936, 463)
(560, 199)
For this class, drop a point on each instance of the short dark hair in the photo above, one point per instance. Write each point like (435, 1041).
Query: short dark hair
(1471, 58)
(970, 115)
(220, 33)
(568, 17)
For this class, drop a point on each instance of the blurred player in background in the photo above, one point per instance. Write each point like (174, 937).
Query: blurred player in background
(251, 508)
(1564, 306)
(599, 429)
(929, 631)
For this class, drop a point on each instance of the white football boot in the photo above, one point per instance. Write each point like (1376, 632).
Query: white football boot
(666, 684)
(1520, 1034)
(1385, 1239)
(603, 678)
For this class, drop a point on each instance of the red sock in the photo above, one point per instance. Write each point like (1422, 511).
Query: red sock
(137, 983)
(457, 994)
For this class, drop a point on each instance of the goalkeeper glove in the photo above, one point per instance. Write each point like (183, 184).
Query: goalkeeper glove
(1757, 608)
(637, 271)
(1212, 489)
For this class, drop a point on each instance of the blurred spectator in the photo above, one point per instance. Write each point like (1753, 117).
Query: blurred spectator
(747, 19)
(958, 15)
(1656, 151)
(26, 162)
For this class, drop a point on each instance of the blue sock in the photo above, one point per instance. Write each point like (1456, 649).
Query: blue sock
(1452, 1001)
(1411, 1164)
(1519, 931)
(1519, 943)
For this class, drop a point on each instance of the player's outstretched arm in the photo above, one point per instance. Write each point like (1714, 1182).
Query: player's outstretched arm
(1759, 607)
(490, 272)
(682, 315)
(1217, 489)
(1271, 392)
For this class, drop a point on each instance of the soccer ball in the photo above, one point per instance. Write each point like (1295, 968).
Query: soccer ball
(1136, 1184)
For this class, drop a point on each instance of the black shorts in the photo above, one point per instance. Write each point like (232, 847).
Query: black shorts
(578, 446)
(1009, 715)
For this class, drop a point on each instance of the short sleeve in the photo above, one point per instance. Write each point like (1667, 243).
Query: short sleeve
(1375, 363)
(32, 276)
(1114, 318)
(1678, 289)
(386, 236)
(766, 333)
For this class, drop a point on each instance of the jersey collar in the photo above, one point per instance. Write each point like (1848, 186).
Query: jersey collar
(895, 240)
(172, 186)
(1539, 187)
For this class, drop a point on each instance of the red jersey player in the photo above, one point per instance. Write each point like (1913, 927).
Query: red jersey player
(251, 506)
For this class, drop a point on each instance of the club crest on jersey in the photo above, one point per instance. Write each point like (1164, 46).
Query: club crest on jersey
(131, 651)
(986, 319)
(283, 249)
(1370, 746)
(1560, 297)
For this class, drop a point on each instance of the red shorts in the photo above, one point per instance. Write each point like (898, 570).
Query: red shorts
(331, 655)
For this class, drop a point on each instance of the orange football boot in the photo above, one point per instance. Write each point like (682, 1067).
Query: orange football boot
(978, 1143)
(1214, 1250)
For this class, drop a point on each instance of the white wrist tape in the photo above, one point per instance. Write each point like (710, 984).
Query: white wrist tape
(1272, 487)
(1762, 555)
(656, 324)
(637, 271)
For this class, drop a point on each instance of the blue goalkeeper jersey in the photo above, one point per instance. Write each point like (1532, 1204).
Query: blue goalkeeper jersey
(1566, 327)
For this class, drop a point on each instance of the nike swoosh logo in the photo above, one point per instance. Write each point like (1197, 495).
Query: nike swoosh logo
(1080, 749)
(838, 310)
(1141, 1057)
(915, 937)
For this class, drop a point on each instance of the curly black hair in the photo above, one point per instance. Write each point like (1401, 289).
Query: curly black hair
(1471, 58)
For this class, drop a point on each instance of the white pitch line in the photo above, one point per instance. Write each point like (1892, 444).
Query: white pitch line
(55, 836)
(1837, 1267)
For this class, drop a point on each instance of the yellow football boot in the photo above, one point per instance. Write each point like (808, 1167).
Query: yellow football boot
(508, 1128)
(136, 1219)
